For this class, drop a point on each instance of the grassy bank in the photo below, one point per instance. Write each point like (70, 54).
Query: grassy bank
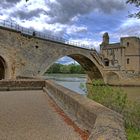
(116, 99)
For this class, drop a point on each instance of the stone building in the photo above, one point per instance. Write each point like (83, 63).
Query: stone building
(123, 56)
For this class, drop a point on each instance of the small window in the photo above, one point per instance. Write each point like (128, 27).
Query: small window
(36, 47)
(106, 62)
(127, 44)
(128, 60)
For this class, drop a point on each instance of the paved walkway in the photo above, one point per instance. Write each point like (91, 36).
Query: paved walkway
(27, 115)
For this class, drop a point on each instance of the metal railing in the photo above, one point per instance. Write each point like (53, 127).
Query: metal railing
(30, 32)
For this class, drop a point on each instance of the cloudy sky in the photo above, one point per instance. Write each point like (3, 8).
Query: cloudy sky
(76, 20)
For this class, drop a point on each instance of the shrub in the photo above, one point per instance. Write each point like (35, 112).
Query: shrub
(116, 99)
(113, 98)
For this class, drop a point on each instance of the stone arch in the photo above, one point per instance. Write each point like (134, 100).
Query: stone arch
(112, 78)
(91, 69)
(3, 68)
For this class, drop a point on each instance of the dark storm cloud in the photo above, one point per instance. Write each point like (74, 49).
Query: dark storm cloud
(27, 15)
(63, 11)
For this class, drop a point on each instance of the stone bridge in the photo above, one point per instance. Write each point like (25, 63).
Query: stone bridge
(26, 53)
(43, 110)
(56, 113)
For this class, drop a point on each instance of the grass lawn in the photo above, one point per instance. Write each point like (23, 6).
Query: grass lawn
(132, 134)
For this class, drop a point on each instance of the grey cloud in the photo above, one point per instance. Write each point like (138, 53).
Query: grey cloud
(129, 30)
(63, 11)
(8, 3)
(12, 1)
(27, 15)
(108, 6)
(24, 15)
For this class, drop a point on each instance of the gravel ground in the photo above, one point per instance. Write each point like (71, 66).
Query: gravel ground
(27, 115)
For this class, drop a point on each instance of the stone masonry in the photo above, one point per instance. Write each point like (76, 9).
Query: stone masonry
(23, 55)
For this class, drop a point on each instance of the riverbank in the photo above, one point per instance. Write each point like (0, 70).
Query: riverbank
(74, 81)
(116, 99)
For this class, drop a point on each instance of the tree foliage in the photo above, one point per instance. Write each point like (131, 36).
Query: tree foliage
(137, 4)
(66, 69)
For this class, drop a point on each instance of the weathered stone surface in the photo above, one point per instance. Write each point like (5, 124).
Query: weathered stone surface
(21, 84)
(29, 56)
(121, 60)
(28, 115)
(24, 55)
(100, 121)
(103, 123)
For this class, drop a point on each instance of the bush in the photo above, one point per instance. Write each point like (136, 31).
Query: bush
(113, 98)
(116, 99)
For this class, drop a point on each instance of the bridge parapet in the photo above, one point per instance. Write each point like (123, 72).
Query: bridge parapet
(33, 33)
(28, 56)
(101, 122)
(24, 84)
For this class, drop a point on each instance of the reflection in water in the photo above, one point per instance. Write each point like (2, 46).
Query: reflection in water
(69, 81)
(75, 86)
(72, 81)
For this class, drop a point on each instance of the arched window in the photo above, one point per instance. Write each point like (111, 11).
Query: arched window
(2, 69)
(127, 44)
(128, 60)
(106, 62)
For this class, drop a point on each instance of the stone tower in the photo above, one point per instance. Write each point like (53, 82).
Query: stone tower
(105, 38)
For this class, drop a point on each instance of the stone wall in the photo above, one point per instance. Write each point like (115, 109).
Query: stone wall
(30, 56)
(21, 85)
(101, 122)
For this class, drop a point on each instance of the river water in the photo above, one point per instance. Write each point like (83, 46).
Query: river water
(71, 81)
(74, 81)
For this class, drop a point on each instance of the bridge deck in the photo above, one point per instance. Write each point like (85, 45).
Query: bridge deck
(8, 25)
(29, 115)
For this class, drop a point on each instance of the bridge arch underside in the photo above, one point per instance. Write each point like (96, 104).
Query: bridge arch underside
(90, 68)
(2, 68)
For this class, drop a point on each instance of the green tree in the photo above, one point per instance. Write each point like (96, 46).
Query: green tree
(76, 69)
(66, 69)
(55, 68)
(137, 4)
